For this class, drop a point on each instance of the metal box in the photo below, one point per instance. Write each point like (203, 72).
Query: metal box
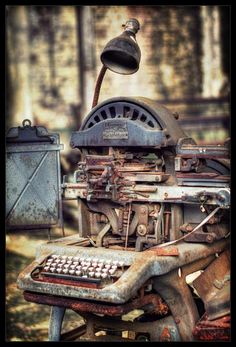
(33, 192)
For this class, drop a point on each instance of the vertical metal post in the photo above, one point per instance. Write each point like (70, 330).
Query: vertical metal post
(55, 323)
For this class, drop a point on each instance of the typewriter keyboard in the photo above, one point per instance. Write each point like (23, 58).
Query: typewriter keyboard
(82, 268)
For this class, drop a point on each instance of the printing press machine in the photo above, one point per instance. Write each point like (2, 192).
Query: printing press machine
(153, 220)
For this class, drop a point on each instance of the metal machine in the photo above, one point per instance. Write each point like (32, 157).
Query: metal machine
(153, 215)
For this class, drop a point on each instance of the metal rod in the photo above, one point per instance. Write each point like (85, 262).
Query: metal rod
(127, 230)
(98, 85)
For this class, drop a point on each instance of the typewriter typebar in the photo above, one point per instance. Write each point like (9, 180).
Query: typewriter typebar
(153, 230)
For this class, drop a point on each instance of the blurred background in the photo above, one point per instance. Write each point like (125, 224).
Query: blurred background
(53, 60)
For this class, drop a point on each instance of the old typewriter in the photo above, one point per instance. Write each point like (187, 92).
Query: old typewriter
(153, 221)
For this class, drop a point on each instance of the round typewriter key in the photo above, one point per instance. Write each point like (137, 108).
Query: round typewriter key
(91, 273)
(65, 271)
(66, 266)
(78, 273)
(100, 264)
(54, 256)
(71, 272)
(50, 260)
(107, 266)
(69, 262)
(59, 265)
(105, 270)
(97, 274)
(91, 268)
(52, 269)
(94, 264)
(79, 267)
(57, 261)
(85, 268)
(104, 275)
(75, 263)
(59, 270)
(72, 267)
(112, 271)
(46, 268)
(54, 264)
(114, 267)
(85, 276)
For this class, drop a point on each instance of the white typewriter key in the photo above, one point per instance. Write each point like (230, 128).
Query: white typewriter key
(78, 273)
(114, 267)
(97, 274)
(75, 263)
(59, 265)
(50, 260)
(83, 263)
(65, 271)
(72, 267)
(59, 270)
(63, 261)
(100, 264)
(46, 268)
(54, 264)
(52, 269)
(91, 268)
(104, 275)
(112, 271)
(54, 256)
(107, 266)
(69, 262)
(85, 276)
(94, 264)
(66, 266)
(105, 270)
(48, 263)
(91, 273)
(85, 268)
(72, 272)
(57, 261)
(79, 267)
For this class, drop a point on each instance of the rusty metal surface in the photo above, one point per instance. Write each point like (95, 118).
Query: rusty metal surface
(213, 286)
(33, 194)
(140, 270)
(154, 302)
(152, 330)
(216, 330)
